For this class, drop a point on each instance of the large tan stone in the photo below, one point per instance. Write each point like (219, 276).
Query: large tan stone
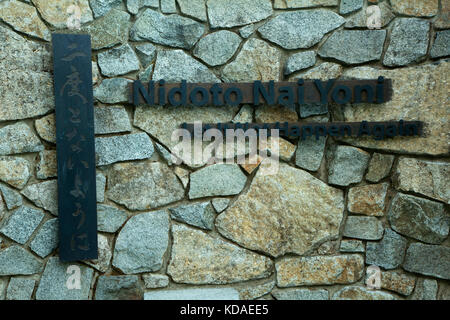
(361, 293)
(417, 8)
(25, 75)
(430, 178)
(319, 270)
(46, 128)
(289, 212)
(23, 18)
(398, 282)
(368, 200)
(200, 258)
(419, 93)
(256, 61)
(14, 171)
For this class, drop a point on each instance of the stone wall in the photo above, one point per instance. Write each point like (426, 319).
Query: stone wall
(334, 208)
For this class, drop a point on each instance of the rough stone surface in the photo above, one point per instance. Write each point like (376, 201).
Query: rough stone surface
(153, 281)
(359, 19)
(44, 195)
(275, 113)
(172, 30)
(325, 71)
(354, 46)
(109, 30)
(419, 218)
(100, 182)
(441, 45)
(218, 47)
(24, 139)
(366, 228)
(348, 6)
(426, 289)
(161, 121)
(319, 270)
(112, 90)
(257, 220)
(176, 65)
(143, 185)
(168, 6)
(299, 61)
(417, 8)
(361, 293)
(247, 31)
(256, 61)
(352, 246)
(220, 204)
(443, 19)
(14, 171)
(118, 61)
(193, 294)
(21, 224)
(379, 167)
(387, 253)
(368, 200)
(15, 260)
(24, 64)
(430, 178)
(193, 8)
(118, 288)
(408, 84)
(429, 260)
(252, 292)
(398, 282)
(135, 146)
(291, 4)
(165, 154)
(347, 165)
(46, 129)
(146, 53)
(310, 152)
(13, 12)
(56, 12)
(109, 218)
(301, 294)
(20, 289)
(46, 240)
(53, 282)
(12, 198)
(409, 42)
(101, 7)
(199, 214)
(111, 119)
(300, 29)
(104, 254)
(285, 151)
(232, 13)
(217, 180)
(199, 258)
(47, 166)
(133, 6)
(142, 243)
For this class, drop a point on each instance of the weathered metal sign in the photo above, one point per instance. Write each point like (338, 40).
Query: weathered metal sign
(75, 147)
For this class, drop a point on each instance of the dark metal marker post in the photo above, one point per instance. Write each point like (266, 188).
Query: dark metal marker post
(77, 208)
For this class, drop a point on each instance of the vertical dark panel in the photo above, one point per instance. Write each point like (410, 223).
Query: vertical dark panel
(75, 147)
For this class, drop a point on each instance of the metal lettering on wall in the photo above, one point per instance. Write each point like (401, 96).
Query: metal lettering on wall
(75, 147)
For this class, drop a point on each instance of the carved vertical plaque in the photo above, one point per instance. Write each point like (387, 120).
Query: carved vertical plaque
(77, 208)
